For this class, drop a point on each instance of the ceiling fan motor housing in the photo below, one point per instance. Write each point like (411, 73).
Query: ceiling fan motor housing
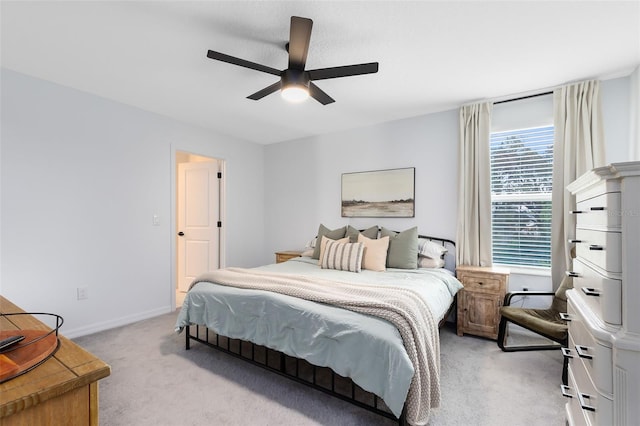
(293, 77)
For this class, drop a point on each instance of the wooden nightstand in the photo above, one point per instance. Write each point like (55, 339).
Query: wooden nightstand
(283, 256)
(480, 301)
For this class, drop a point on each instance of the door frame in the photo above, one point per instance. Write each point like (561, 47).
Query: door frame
(173, 219)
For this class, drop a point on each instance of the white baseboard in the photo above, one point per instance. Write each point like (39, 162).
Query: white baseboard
(118, 322)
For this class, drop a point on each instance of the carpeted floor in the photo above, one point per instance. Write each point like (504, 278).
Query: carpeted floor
(155, 381)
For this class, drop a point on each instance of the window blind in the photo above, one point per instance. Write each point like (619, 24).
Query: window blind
(521, 179)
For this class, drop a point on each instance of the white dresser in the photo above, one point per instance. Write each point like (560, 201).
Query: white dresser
(604, 306)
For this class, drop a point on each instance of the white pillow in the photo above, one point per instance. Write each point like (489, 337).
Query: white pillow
(307, 253)
(341, 256)
(375, 253)
(428, 248)
(427, 262)
(323, 244)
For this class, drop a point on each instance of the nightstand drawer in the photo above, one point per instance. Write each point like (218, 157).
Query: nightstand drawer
(481, 283)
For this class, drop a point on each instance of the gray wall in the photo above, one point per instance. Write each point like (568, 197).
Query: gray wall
(82, 177)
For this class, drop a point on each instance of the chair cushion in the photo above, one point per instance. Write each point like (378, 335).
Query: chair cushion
(543, 321)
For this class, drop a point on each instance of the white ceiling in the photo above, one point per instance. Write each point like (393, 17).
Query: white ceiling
(433, 55)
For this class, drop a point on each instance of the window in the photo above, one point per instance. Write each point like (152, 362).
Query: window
(521, 177)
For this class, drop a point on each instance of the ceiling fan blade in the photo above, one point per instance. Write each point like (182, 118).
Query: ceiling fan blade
(241, 62)
(344, 71)
(299, 38)
(266, 91)
(320, 96)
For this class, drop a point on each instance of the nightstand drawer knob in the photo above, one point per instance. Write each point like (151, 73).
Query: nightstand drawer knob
(566, 352)
(565, 316)
(572, 274)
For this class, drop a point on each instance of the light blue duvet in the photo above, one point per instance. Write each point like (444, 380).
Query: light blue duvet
(369, 350)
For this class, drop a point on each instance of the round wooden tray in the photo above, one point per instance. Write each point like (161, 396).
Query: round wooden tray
(36, 348)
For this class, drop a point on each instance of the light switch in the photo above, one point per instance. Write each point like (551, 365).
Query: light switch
(156, 220)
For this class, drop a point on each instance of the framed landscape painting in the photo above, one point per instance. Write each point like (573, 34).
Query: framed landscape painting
(381, 193)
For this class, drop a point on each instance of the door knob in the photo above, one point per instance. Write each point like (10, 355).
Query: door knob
(181, 233)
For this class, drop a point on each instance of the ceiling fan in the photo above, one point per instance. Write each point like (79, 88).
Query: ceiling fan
(295, 82)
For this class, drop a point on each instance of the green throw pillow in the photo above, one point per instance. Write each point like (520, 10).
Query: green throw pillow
(335, 234)
(352, 233)
(403, 248)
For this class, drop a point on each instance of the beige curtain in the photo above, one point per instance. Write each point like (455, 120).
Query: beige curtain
(578, 147)
(473, 241)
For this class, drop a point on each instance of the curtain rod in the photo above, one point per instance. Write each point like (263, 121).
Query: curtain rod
(523, 97)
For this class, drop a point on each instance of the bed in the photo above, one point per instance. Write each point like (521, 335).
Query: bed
(336, 330)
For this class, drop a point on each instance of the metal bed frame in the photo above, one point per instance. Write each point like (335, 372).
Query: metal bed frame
(320, 378)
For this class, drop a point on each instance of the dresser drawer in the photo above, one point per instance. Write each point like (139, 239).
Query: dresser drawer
(594, 357)
(576, 416)
(602, 294)
(602, 211)
(601, 248)
(586, 405)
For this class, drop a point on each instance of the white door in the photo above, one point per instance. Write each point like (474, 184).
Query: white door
(198, 196)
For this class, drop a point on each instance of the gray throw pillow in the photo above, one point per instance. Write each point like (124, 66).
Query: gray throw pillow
(403, 248)
(335, 234)
(352, 233)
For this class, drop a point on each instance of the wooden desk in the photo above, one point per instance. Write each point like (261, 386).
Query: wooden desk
(63, 390)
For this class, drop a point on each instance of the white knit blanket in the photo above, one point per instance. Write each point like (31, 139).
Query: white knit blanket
(403, 307)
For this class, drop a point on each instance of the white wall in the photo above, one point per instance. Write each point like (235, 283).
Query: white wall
(82, 177)
(634, 116)
(303, 176)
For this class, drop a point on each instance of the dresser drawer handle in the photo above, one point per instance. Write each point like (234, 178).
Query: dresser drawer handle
(565, 391)
(581, 398)
(590, 291)
(566, 352)
(571, 241)
(597, 209)
(576, 212)
(596, 247)
(572, 274)
(582, 352)
(565, 316)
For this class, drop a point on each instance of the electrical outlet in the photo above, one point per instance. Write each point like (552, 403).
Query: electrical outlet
(83, 293)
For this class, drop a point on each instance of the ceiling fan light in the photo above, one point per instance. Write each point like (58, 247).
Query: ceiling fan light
(295, 93)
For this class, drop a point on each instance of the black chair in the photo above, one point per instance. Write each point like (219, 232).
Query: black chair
(548, 322)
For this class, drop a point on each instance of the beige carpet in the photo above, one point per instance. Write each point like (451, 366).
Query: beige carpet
(155, 381)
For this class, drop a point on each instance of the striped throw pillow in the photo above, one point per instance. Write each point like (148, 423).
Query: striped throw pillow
(342, 256)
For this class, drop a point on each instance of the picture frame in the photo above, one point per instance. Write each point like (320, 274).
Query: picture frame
(379, 193)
